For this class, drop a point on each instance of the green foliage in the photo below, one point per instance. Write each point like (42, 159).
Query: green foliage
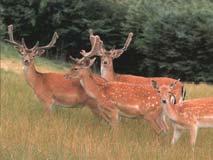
(171, 38)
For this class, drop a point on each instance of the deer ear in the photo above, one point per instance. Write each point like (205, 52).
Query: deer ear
(172, 85)
(183, 94)
(155, 84)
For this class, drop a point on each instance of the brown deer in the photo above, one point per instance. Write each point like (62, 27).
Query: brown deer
(50, 88)
(190, 114)
(107, 69)
(119, 98)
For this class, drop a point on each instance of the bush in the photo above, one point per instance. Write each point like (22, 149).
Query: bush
(177, 40)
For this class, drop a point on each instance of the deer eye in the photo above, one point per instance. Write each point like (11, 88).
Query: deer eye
(75, 69)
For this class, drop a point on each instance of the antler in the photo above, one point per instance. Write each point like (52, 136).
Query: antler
(84, 61)
(11, 39)
(50, 45)
(96, 44)
(115, 53)
(128, 40)
(76, 60)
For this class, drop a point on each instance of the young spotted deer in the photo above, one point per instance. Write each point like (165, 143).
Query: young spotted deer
(107, 69)
(50, 88)
(190, 114)
(119, 98)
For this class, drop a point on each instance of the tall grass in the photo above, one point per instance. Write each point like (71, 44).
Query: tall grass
(27, 134)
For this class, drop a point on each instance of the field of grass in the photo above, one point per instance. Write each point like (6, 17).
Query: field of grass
(28, 134)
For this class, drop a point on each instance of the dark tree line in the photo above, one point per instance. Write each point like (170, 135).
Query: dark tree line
(171, 38)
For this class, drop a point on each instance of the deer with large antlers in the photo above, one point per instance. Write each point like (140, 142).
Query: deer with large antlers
(190, 114)
(50, 88)
(107, 69)
(119, 98)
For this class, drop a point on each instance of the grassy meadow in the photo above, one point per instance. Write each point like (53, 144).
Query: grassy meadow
(28, 134)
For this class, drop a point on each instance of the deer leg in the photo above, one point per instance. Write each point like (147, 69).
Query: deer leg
(110, 114)
(93, 106)
(161, 124)
(47, 104)
(193, 135)
(153, 123)
(165, 123)
(176, 134)
(156, 115)
(107, 117)
(104, 114)
(161, 120)
(95, 111)
(46, 99)
(114, 117)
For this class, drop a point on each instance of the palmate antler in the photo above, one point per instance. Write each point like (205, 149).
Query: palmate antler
(115, 53)
(11, 39)
(51, 43)
(96, 45)
(95, 48)
(99, 50)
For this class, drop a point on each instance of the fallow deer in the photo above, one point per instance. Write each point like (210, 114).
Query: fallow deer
(190, 114)
(107, 69)
(119, 98)
(50, 88)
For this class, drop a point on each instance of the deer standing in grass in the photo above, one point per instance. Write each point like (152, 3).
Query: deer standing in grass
(119, 98)
(107, 69)
(50, 88)
(190, 114)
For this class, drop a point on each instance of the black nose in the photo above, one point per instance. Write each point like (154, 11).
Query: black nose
(26, 62)
(164, 101)
(105, 62)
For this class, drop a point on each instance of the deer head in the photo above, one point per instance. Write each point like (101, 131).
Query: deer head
(26, 53)
(80, 68)
(107, 56)
(165, 92)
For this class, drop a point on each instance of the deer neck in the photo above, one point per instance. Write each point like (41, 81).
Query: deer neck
(107, 73)
(31, 74)
(169, 111)
(88, 83)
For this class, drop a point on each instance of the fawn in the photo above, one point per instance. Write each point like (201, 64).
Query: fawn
(190, 114)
